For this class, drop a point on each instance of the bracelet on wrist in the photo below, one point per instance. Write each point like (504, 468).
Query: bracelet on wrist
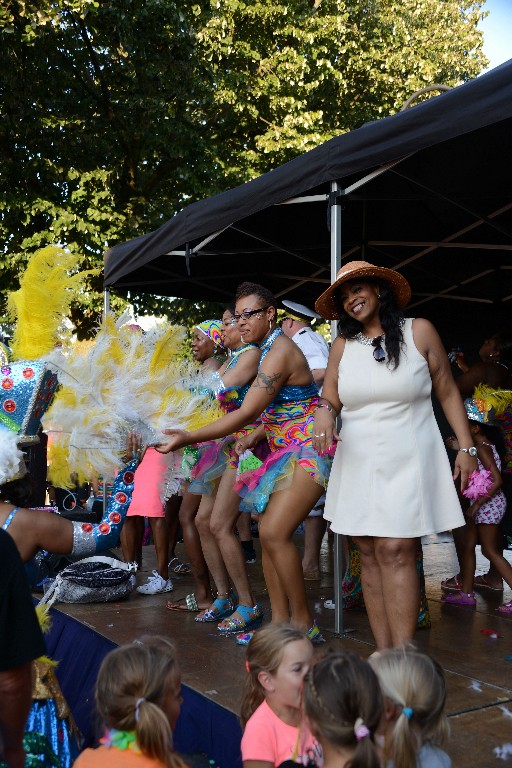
(328, 406)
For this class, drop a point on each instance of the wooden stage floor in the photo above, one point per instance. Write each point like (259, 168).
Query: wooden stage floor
(478, 667)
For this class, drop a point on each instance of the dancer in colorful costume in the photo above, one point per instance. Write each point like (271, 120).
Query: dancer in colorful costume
(214, 476)
(286, 397)
(207, 350)
(51, 737)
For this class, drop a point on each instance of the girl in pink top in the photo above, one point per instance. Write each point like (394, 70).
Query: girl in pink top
(278, 659)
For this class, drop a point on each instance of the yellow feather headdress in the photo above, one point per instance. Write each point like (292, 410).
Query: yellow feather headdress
(39, 307)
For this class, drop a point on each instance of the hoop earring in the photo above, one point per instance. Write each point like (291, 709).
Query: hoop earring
(270, 325)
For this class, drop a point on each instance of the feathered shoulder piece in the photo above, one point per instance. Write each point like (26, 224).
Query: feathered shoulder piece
(123, 381)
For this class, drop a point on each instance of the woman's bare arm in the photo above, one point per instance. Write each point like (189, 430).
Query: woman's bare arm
(273, 374)
(430, 346)
(324, 431)
(244, 370)
(33, 530)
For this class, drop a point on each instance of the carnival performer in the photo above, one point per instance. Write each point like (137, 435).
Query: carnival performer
(286, 397)
(391, 479)
(207, 350)
(34, 530)
(214, 476)
(487, 508)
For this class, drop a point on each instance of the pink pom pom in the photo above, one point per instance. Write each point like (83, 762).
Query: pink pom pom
(480, 483)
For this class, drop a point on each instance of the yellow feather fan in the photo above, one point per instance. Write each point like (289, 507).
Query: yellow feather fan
(42, 302)
(124, 381)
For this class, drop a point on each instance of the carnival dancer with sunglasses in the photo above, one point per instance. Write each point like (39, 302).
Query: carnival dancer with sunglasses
(293, 477)
(391, 481)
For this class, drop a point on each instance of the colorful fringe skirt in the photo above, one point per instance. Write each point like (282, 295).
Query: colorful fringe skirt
(289, 430)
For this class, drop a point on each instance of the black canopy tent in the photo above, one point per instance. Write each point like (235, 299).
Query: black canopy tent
(427, 191)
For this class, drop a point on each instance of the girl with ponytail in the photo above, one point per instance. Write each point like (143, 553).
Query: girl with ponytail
(415, 725)
(138, 697)
(343, 708)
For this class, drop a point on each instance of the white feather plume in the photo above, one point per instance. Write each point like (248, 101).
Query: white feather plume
(11, 458)
(124, 381)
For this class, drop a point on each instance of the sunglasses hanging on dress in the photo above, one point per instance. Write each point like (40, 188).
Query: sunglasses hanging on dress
(378, 353)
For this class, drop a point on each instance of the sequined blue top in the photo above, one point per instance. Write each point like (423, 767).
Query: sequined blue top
(244, 388)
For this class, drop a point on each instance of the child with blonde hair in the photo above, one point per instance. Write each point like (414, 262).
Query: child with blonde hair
(415, 725)
(343, 707)
(138, 697)
(278, 659)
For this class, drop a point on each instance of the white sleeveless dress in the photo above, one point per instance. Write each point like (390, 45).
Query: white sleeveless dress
(391, 476)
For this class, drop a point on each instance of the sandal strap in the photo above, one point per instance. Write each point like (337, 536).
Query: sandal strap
(178, 566)
(191, 602)
(247, 616)
(219, 606)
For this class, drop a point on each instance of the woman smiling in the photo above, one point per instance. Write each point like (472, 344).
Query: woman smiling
(391, 481)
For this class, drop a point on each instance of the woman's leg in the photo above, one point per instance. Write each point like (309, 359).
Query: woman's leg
(390, 587)
(223, 519)
(131, 539)
(281, 559)
(400, 585)
(210, 549)
(172, 511)
(371, 580)
(192, 542)
(160, 533)
(490, 540)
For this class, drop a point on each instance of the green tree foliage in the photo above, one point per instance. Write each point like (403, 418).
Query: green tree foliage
(114, 115)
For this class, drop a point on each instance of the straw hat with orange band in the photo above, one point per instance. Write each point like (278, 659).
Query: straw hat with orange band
(327, 305)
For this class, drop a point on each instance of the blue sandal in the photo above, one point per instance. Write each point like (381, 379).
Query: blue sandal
(219, 609)
(248, 617)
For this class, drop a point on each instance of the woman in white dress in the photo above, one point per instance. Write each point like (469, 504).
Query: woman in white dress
(391, 481)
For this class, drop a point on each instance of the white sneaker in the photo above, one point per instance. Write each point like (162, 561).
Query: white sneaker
(155, 584)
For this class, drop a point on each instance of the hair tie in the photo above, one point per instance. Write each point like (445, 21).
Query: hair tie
(247, 667)
(137, 706)
(408, 712)
(360, 729)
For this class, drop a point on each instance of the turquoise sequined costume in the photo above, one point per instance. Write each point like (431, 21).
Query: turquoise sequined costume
(288, 423)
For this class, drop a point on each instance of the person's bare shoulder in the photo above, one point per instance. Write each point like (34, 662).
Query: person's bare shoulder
(337, 349)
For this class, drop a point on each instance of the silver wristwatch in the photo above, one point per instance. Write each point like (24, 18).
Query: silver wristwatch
(472, 451)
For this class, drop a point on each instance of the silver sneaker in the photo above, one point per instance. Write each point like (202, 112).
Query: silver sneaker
(155, 585)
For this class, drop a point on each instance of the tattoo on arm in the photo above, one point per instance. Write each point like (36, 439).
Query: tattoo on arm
(263, 381)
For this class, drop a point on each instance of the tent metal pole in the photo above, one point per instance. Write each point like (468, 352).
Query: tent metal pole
(335, 202)
(106, 303)
(106, 310)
